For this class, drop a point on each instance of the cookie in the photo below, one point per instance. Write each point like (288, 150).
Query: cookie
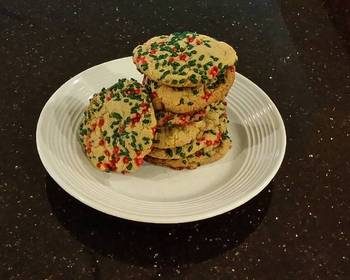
(209, 139)
(171, 119)
(170, 137)
(183, 59)
(185, 100)
(118, 127)
(193, 161)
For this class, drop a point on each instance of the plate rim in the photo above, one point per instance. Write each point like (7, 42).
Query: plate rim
(156, 219)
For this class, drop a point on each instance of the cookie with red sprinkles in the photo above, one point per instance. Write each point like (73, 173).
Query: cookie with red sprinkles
(189, 99)
(184, 59)
(208, 140)
(170, 136)
(203, 156)
(118, 127)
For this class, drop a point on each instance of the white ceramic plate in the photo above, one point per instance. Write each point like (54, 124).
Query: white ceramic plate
(158, 194)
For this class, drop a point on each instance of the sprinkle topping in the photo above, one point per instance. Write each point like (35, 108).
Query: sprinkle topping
(183, 59)
(117, 127)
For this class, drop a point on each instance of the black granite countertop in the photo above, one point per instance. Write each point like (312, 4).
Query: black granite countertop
(297, 228)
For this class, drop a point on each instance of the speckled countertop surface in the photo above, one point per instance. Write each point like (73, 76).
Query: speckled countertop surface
(297, 228)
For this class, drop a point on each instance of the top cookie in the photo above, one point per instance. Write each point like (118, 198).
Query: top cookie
(118, 127)
(183, 59)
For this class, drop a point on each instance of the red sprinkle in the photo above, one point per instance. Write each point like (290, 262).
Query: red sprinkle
(108, 98)
(154, 94)
(112, 166)
(183, 57)
(190, 39)
(198, 153)
(101, 122)
(126, 160)
(171, 59)
(214, 71)
(208, 143)
(93, 126)
(154, 130)
(207, 95)
(107, 153)
(183, 120)
(136, 118)
(153, 51)
(88, 150)
(102, 142)
(137, 90)
(164, 120)
(98, 165)
(144, 107)
(116, 150)
(141, 60)
(139, 161)
(107, 166)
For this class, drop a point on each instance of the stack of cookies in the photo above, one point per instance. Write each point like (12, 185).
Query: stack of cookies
(188, 76)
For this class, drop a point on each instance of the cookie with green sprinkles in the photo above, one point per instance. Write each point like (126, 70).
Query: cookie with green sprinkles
(201, 157)
(209, 140)
(183, 59)
(170, 119)
(189, 99)
(175, 136)
(118, 127)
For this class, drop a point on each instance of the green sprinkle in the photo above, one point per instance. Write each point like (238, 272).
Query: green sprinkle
(174, 82)
(201, 57)
(169, 152)
(182, 101)
(178, 150)
(194, 91)
(164, 75)
(193, 79)
(192, 63)
(101, 158)
(154, 45)
(124, 153)
(83, 131)
(129, 167)
(116, 115)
